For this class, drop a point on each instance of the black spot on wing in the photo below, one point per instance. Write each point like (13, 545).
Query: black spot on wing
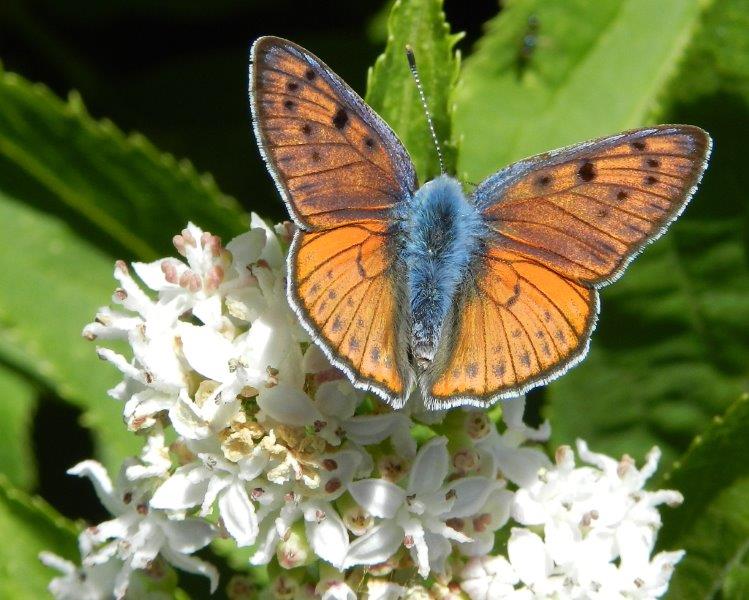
(340, 119)
(587, 171)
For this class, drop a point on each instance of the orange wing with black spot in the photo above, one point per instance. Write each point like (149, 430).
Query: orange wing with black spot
(333, 159)
(341, 280)
(562, 225)
(342, 172)
(587, 210)
(516, 323)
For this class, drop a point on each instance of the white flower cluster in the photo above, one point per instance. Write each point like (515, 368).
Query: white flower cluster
(251, 435)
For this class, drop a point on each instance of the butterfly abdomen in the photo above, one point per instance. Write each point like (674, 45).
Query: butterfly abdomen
(442, 234)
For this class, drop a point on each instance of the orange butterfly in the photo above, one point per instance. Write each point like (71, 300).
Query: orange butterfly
(473, 299)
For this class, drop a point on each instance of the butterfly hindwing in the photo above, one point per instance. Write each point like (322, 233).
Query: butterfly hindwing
(341, 171)
(332, 157)
(586, 210)
(562, 225)
(516, 324)
(342, 280)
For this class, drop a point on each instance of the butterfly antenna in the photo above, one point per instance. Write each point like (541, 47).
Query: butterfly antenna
(422, 96)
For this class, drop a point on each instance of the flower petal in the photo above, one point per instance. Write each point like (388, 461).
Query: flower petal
(378, 497)
(289, 405)
(184, 489)
(102, 484)
(207, 351)
(187, 536)
(191, 564)
(326, 532)
(246, 248)
(471, 493)
(238, 514)
(528, 556)
(375, 546)
(430, 467)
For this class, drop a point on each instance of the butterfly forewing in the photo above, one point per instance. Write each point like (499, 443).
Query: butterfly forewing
(332, 157)
(585, 211)
(561, 225)
(342, 172)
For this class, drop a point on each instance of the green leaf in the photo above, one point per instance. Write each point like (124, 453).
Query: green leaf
(736, 584)
(597, 69)
(17, 407)
(392, 92)
(716, 543)
(28, 525)
(51, 285)
(670, 350)
(713, 522)
(715, 459)
(117, 191)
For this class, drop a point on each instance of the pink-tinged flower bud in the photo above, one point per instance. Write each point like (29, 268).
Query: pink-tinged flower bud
(293, 550)
(169, 269)
(122, 267)
(179, 244)
(189, 239)
(466, 461)
(357, 520)
(214, 278)
(478, 425)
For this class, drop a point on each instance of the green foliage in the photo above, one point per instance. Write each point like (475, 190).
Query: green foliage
(120, 192)
(713, 523)
(16, 413)
(28, 525)
(597, 69)
(701, 474)
(391, 90)
(715, 543)
(50, 286)
(671, 346)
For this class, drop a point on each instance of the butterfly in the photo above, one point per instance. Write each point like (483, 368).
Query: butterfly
(472, 299)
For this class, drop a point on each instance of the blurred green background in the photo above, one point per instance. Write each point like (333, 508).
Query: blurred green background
(672, 347)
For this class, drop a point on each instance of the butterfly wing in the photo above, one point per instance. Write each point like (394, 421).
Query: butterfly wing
(562, 224)
(333, 159)
(342, 172)
(585, 211)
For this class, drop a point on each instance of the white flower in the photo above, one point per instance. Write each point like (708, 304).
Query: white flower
(88, 582)
(416, 516)
(516, 462)
(216, 480)
(137, 534)
(488, 578)
(598, 531)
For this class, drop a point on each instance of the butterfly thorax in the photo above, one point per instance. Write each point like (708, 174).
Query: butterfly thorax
(442, 235)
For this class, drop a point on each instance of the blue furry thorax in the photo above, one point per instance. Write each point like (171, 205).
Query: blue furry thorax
(443, 230)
